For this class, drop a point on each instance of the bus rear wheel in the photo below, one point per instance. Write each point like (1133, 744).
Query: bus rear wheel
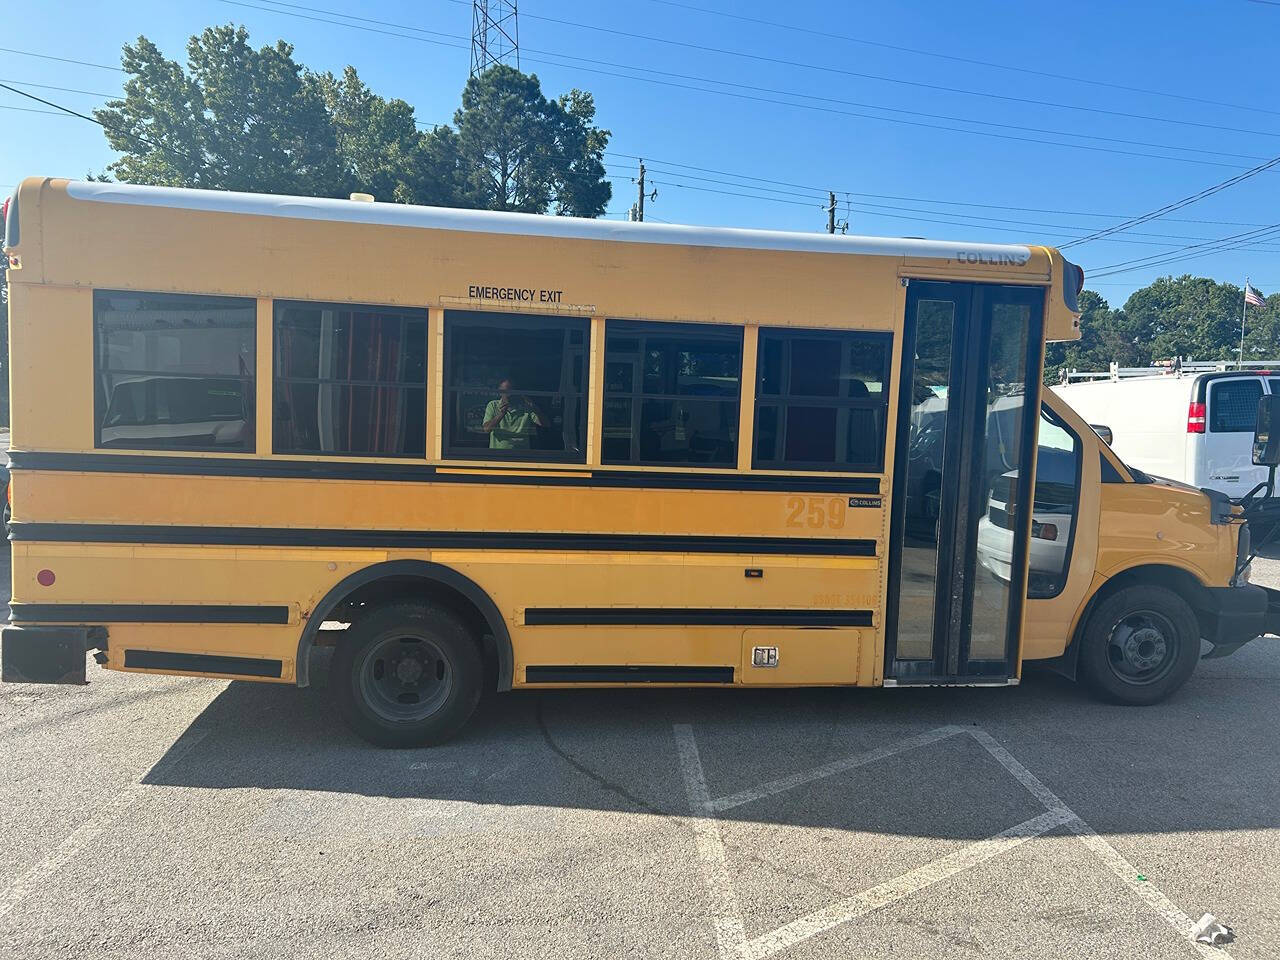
(407, 674)
(1139, 645)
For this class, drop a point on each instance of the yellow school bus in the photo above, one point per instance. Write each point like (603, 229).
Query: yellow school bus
(475, 450)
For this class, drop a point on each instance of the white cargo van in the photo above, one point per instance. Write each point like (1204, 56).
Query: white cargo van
(1187, 423)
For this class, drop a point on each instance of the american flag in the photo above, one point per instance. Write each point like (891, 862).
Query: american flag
(1252, 297)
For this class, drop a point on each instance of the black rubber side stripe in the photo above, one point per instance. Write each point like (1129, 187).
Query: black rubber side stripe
(424, 473)
(434, 540)
(202, 663)
(605, 674)
(146, 613)
(694, 616)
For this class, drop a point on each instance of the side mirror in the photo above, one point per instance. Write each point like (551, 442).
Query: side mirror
(1266, 433)
(1103, 431)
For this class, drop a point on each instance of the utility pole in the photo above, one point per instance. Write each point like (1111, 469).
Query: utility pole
(638, 209)
(495, 36)
(640, 205)
(831, 213)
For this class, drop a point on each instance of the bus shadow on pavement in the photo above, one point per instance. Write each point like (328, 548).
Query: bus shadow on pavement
(1123, 769)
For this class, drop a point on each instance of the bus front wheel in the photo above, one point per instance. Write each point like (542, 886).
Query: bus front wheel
(1139, 645)
(407, 674)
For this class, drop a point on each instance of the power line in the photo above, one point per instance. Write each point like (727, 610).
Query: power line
(829, 35)
(912, 113)
(45, 56)
(1190, 252)
(968, 218)
(959, 203)
(876, 210)
(45, 86)
(1145, 155)
(85, 116)
(781, 61)
(47, 113)
(1178, 204)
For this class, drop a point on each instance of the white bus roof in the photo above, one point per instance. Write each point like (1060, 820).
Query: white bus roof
(535, 225)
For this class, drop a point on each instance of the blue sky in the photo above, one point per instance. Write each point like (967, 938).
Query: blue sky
(891, 177)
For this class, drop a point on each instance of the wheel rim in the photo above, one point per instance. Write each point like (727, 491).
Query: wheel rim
(1143, 647)
(405, 678)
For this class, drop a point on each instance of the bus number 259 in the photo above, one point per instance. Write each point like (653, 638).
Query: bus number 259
(816, 512)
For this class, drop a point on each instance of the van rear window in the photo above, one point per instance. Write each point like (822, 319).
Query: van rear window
(1233, 405)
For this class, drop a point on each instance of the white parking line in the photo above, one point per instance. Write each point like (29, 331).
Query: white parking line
(730, 932)
(727, 913)
(911, 882)
(830, 769)
(1105, 852)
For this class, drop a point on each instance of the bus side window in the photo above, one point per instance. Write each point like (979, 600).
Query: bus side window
(671, 394)
(514, 386)
(350, 380)
(173, 371)
(821, 400)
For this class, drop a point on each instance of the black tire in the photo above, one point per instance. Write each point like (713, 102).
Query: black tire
(1139, 645)
(406, 674)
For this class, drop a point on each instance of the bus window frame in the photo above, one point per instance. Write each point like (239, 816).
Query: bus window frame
(1052, 416)
(251, 379)
(625, 327)
(451, 321)
(415, 312)
(409, 312)
(782, 400)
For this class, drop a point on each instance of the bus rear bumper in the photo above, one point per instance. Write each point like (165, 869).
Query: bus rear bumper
(1237, 615)
(44, 654)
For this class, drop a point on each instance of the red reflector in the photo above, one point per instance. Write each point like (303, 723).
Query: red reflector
(1195, 418)
(45, 578)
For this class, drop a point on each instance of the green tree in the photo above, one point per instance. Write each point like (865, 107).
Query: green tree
(1106, 335)
(380, 148)
(240, 118)
(520, 151)
(1188, 316)
(235, 119)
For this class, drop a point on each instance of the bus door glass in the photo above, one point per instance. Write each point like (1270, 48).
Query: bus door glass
(971, 357)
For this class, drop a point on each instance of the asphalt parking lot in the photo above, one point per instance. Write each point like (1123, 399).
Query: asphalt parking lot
(177, 817)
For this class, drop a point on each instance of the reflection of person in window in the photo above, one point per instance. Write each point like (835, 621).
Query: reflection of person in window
(511, 421)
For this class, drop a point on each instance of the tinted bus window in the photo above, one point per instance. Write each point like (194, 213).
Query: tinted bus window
(350, 380)
(671, 394)
(514, 386)
(821, 400)
(173, 372)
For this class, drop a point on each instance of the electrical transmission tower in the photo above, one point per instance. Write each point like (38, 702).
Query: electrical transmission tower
(495, 38)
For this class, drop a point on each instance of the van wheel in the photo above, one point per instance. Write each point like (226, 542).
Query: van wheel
(407, 674)
(1139, 645)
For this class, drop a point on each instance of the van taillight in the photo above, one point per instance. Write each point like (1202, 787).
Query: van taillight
(1195, 418)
